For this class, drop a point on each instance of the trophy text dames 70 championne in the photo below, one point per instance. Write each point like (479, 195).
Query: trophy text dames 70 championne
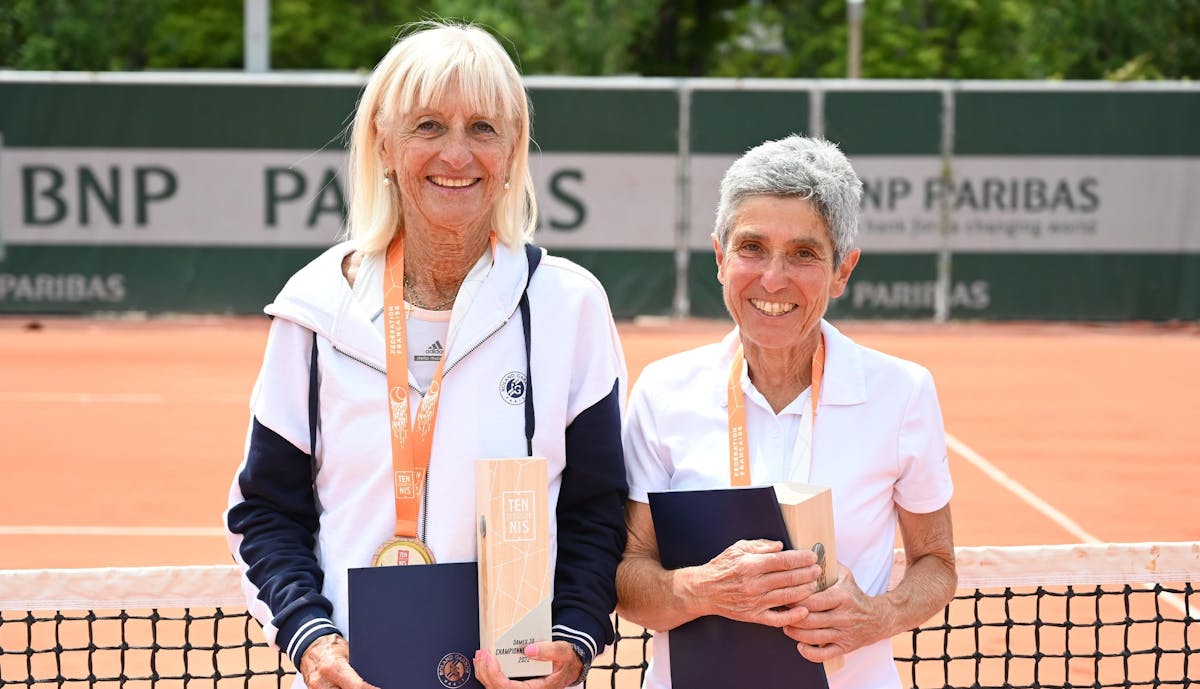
(515, 586)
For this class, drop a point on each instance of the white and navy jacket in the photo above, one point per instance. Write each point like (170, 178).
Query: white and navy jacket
(298, 520)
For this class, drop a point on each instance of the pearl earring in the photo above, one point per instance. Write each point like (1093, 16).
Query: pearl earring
(387, 180)
(506, 185)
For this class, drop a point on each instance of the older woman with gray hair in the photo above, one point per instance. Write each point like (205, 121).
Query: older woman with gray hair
(818, 408)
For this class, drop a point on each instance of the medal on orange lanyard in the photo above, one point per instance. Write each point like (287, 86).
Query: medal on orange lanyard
(739, 449)
(411, 444)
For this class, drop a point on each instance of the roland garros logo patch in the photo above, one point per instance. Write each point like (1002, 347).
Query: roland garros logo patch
(454, 670)
(513, 386)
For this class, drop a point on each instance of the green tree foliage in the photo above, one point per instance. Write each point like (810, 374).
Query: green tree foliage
(902, 39)
(311, 34)
(568, 37)
(1118, 39)
(948, 39)
(305, 34)
(205, 34)
(683, 36)
(966, 39)
(75, 34)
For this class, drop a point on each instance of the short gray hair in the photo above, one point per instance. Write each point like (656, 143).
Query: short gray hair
(801, 167)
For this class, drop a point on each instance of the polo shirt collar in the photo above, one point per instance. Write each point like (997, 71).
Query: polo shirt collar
(844, 382)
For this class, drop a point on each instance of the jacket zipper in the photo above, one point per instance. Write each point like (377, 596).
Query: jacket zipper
(425, 487)
(364, 363)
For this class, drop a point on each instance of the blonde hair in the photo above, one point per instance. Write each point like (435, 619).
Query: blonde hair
(430, 58)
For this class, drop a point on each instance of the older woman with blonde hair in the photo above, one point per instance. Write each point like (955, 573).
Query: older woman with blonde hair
(434, 336)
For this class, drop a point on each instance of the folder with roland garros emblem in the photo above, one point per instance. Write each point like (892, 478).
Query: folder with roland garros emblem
(415, 626)
(693, 527)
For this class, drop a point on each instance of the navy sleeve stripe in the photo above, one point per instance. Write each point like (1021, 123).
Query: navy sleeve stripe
(304, 637)
(591, 521)
(277, 519)
(568, 634)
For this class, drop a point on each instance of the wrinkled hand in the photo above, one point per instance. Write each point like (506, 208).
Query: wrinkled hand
(566, 667)
(326, 665)
(756, 581)
(839, 619)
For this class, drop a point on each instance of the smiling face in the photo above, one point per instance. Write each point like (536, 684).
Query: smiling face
(777, 273)
(450, 164)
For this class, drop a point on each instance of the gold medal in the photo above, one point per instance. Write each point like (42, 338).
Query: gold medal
(402, 550)
(412, 438)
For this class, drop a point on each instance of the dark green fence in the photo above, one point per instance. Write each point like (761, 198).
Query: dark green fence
(984, 200)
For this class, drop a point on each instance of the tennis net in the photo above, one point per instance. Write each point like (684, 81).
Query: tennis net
(1109, 615)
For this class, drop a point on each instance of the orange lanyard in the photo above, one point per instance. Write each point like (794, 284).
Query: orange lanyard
(739, 451)
(411, 445)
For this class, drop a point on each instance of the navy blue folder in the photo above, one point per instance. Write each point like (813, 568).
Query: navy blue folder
(692, 528)
(415, 627)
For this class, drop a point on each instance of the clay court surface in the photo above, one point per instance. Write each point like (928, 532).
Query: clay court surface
(120, 437)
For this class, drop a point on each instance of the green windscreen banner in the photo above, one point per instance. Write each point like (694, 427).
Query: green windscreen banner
(204, 193)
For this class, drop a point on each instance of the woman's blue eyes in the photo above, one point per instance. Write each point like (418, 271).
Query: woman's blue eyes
(433, 125)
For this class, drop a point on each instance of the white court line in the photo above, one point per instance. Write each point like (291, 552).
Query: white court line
(172, 531)
(116, 398)
(1020, 491)
(977, 460)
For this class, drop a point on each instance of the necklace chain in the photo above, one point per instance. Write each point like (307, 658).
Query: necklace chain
(411, 293)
